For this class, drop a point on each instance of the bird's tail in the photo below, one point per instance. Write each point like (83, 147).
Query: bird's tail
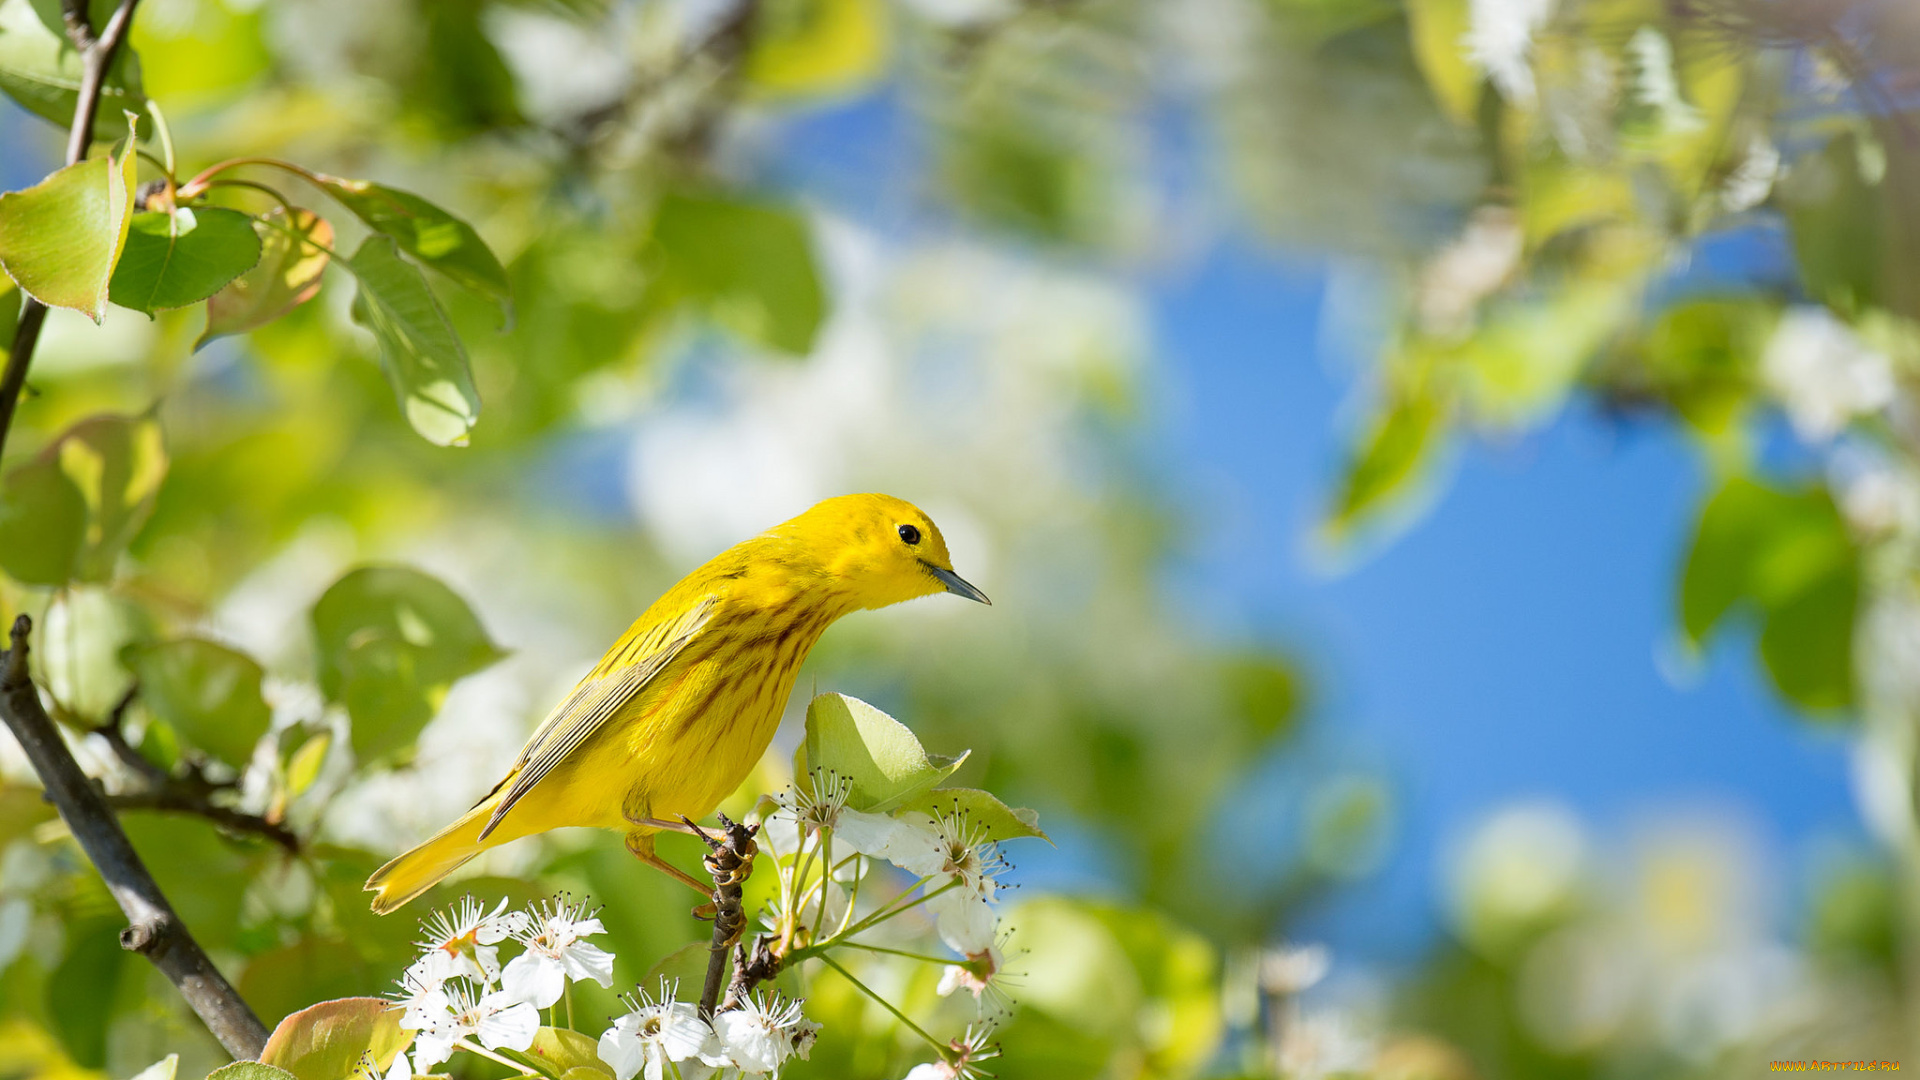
(420, 869)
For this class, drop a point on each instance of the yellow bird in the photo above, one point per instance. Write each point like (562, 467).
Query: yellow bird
(677, 713)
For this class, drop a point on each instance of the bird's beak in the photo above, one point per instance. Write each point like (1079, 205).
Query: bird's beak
(958, 585)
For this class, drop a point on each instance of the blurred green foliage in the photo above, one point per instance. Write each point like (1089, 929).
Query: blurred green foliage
(162, 510)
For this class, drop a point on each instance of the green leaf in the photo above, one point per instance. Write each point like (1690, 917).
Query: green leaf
(172, 260)
(292, 259)
(804, 47)
(1837, 221)
(564, 1050)
(427, 233)
(981, 809)
(423, 358)
(250, 1070)
(43, 524)
(391, 641)
(59, 239)
(684, 966)
(70, 512)
(749, 265)
(209, 693)
(88, 976)
(328, 1041)
(1392, 459)
(40, 69)
(881, 759)
(1787, 556)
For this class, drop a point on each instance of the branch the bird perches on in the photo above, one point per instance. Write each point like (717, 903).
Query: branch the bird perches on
(730, 861)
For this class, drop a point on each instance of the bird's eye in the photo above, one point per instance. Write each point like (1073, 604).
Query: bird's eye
(910, 534)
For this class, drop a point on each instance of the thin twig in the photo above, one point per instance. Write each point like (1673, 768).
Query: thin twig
(172, 801)
(154, 931)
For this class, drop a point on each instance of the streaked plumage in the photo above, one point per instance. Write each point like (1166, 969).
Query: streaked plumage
(677, 713)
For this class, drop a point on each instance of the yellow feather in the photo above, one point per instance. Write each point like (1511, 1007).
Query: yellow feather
(679, 710)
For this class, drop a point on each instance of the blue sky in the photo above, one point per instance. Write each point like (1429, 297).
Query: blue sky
(1505, 646)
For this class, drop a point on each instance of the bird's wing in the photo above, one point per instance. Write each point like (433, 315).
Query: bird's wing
(594, 701)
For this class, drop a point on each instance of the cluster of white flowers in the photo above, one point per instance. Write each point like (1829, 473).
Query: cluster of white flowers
(458, 991)
(663, 1037)
(958, 865)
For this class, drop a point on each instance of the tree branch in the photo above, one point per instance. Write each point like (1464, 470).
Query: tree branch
(154, 931)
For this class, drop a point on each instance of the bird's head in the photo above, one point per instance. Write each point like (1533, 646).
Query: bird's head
(880, 549)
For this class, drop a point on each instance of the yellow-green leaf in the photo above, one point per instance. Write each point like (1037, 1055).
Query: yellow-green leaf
(60, 239)
(328, 1041)
(1438, 28)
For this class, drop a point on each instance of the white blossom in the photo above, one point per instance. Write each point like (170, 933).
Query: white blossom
(821, 804)
(464, 942)
(447, 1014)
(982, 974)
(961, 865)
(759, 1036)
(963, 1061)
(554, 954)
(1500, 39)
(1823, 374)
(659, 1039)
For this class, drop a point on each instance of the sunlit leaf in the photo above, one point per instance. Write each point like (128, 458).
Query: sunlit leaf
(1439, 29)
(391, 641)
(40, 69)
(208, 693)
(172, 260)
(817, 46)
(979, 809)
(1391, 460)
(877, 755)
(749, 265)
(422, 357)
(304, 762)
(71, 511)
(426, 232)
(59, 239)
(328, 1041)
(118, 463)
(564, 1050)
(292, 259)
(249, 1070)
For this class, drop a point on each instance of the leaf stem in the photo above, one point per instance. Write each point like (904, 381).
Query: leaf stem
(922, 957)
(205, 177)
(945, 1050)
(166, 136)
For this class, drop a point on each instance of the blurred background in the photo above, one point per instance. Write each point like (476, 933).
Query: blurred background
(1445, 471)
